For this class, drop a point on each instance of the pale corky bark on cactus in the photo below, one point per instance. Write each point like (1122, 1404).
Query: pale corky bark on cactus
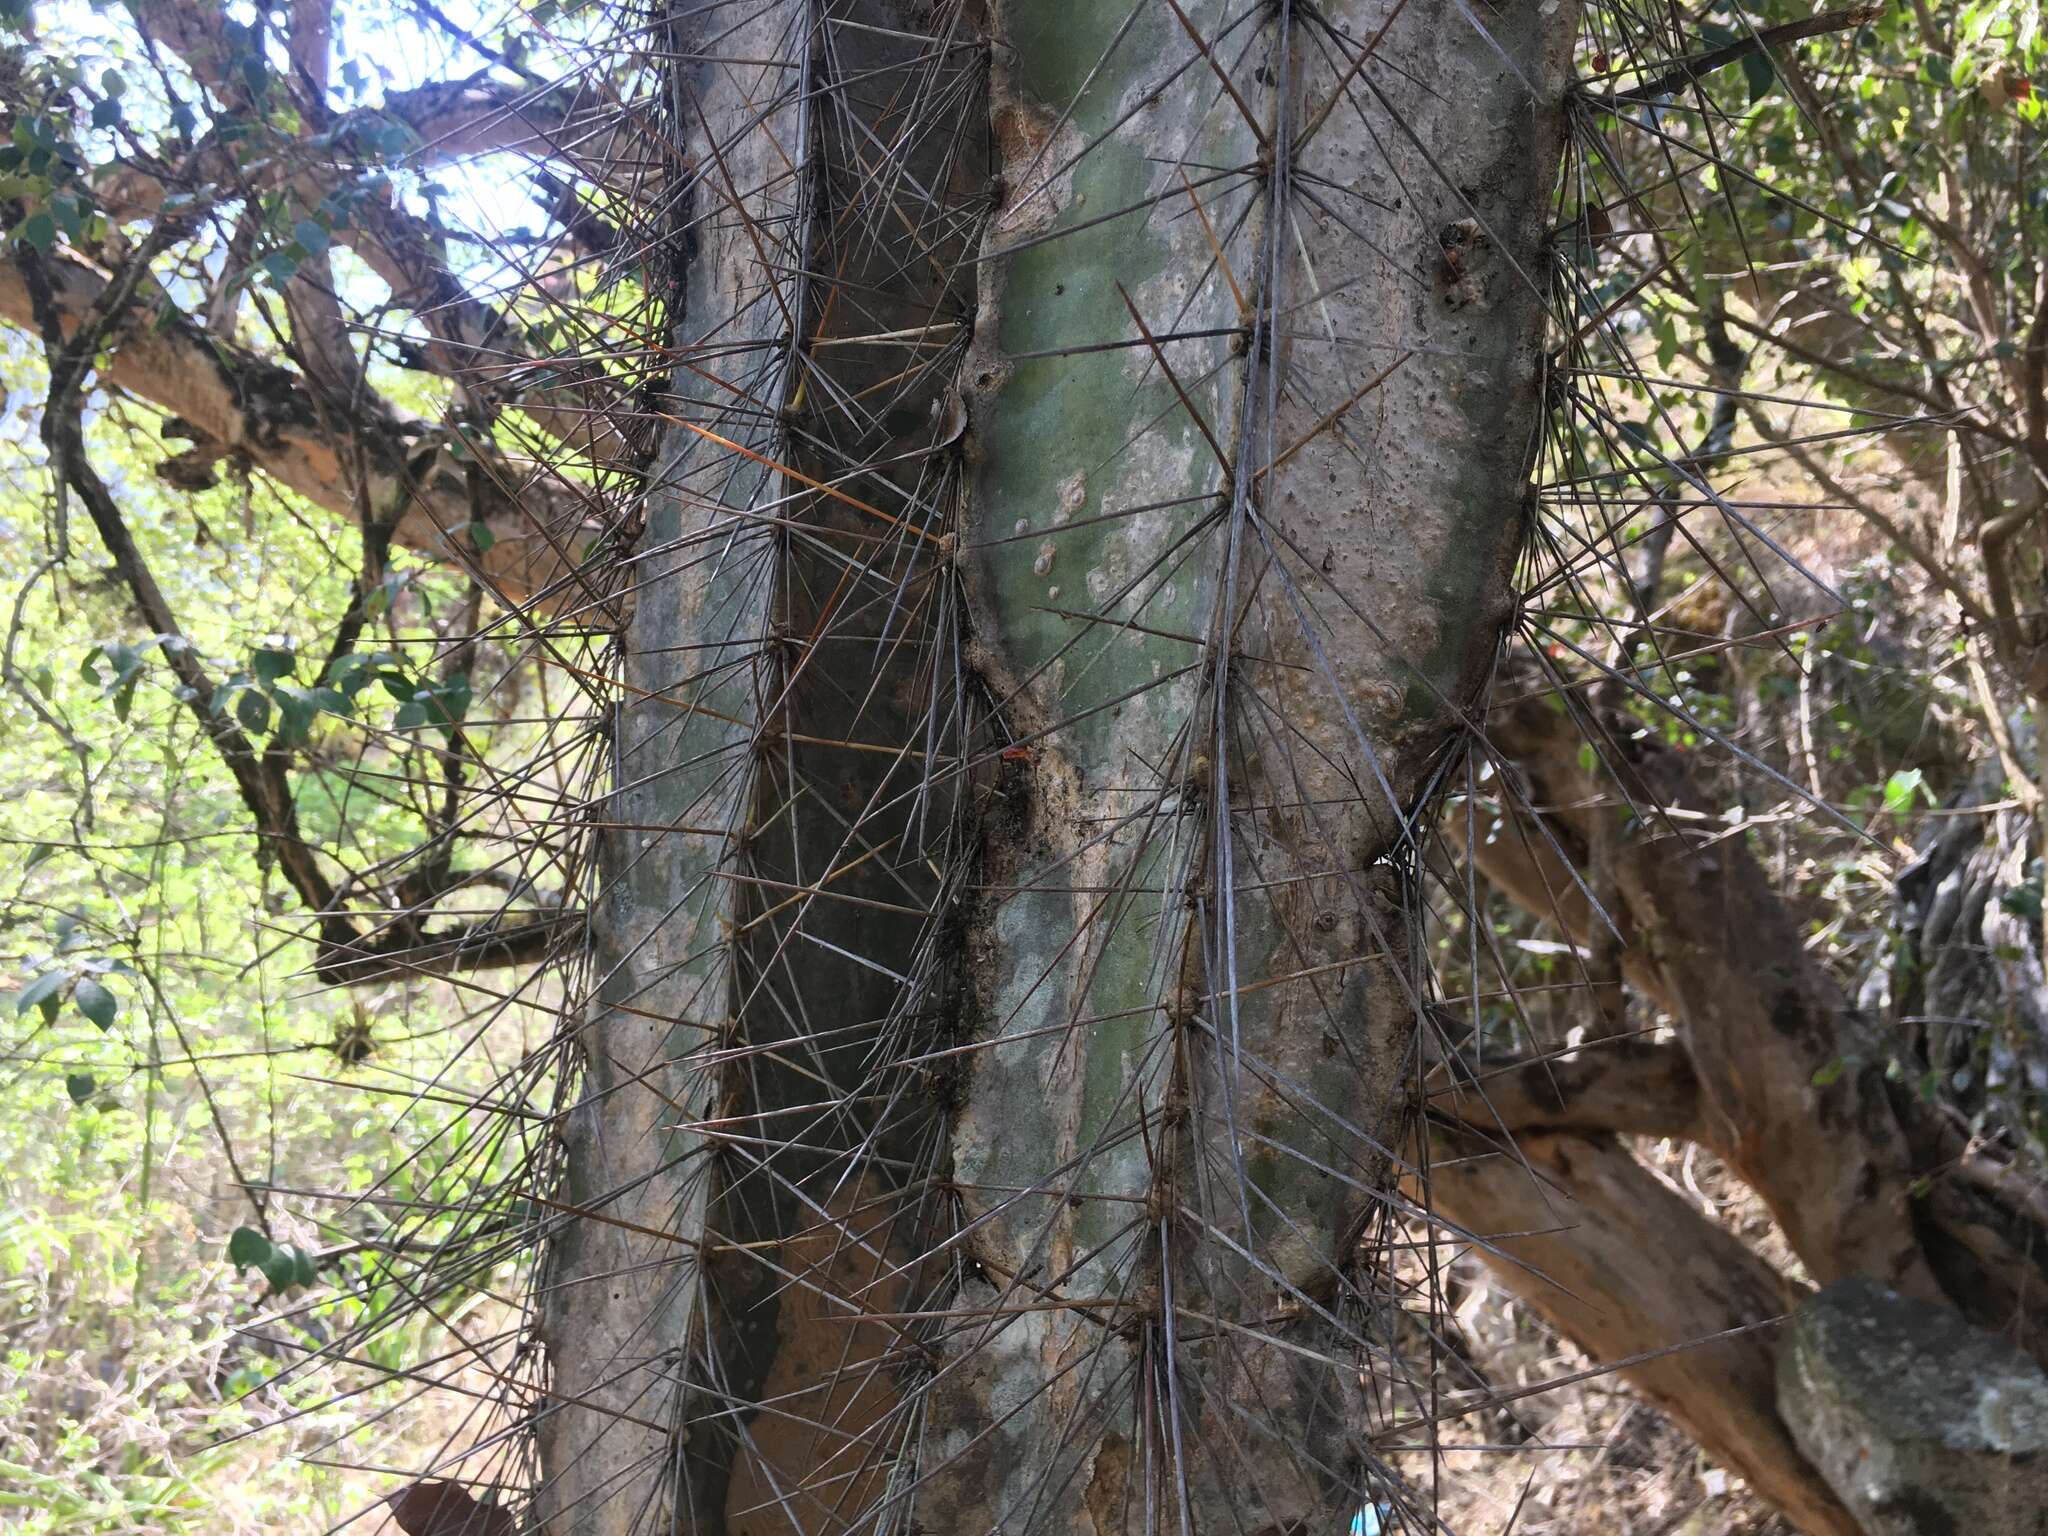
(1101, 451)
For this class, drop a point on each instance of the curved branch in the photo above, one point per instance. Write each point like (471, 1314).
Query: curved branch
(472, 343)
(1686, 71)
(1630, 1272)
(1620, 1087)
(454, 119)
(1853, 1175)
(458, 119)
(343, 954)
(239, 406)
(402, 952)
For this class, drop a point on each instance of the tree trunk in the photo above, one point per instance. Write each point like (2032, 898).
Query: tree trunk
(1102, 449)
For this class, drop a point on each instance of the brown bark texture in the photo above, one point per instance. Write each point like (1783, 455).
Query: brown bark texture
(1770, 1067)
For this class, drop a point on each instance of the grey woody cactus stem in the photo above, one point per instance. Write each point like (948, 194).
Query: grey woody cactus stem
(1102, 450)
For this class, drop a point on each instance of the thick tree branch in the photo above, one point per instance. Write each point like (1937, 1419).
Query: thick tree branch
(458, 119)
(244, 408)
(1624, 1267)
(1791, 1090)
(473, 343)
(481, 347)
(400, 946)
(259, 775)
(1620, 1087)
(402, 952)
(454, 119)
(1685, 71)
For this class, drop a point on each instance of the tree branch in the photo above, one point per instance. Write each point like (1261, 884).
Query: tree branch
(1852, 1174)
(242, 407)
(259, 776)
(1623, 1087)
(1685, 71)
(475, 344)
(403, 952)
(1625, 1268)
(343, 954)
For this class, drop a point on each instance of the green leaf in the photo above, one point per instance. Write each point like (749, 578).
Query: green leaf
(280, 1266)
(247, 1246)
(442, 704)
(2023, 900)
(386, 592)
(1902, 788)
(1830, 1073)
(271, 663)
(41, 993)
(80, 1086)
(313, 235)
(95, 1002)
(253, 710)
(481, 536)
(1758, 70)
(36, 855)
(39, 230)
(295, 715)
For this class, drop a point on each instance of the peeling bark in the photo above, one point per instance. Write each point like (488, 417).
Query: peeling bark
(1621, 1088)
